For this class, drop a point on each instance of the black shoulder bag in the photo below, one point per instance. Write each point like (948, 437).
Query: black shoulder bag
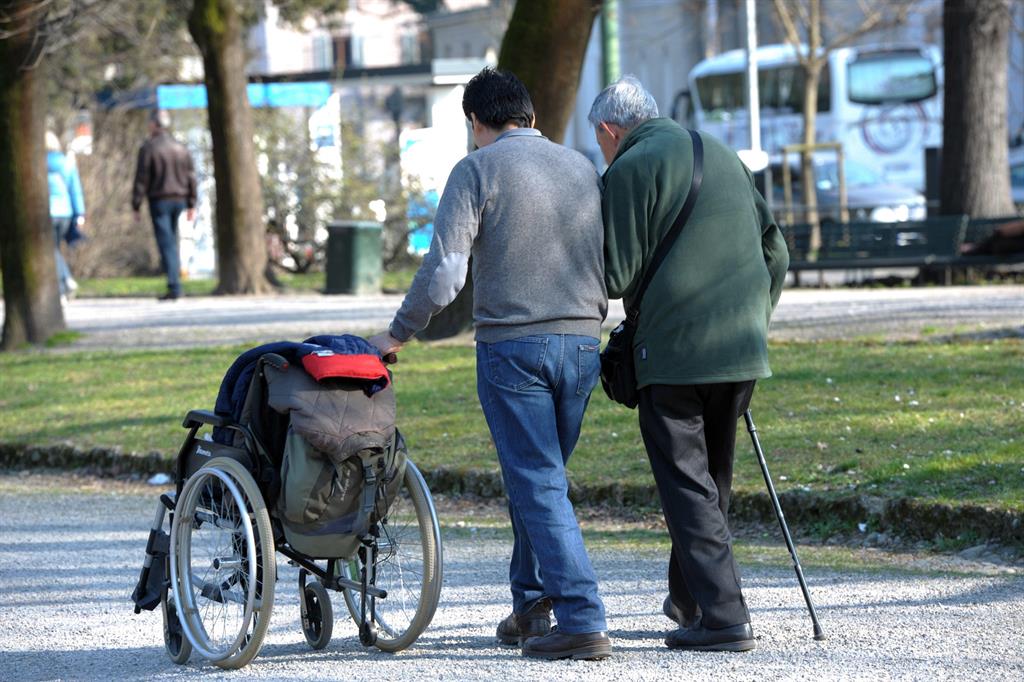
(618, 369)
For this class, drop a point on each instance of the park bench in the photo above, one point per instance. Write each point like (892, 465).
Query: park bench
(931, 243)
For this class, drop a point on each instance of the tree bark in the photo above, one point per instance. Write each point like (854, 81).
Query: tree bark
(544, 46)
(975, 166)
(218, 31)
(32, 311)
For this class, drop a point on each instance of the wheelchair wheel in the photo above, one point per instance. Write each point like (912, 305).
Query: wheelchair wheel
(175, 643)
(317, 616)
(408, 567)
(222, 563)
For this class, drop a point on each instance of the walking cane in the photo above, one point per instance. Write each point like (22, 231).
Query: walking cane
(819, 634)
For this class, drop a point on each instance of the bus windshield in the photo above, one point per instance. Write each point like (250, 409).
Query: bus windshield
(891, 77)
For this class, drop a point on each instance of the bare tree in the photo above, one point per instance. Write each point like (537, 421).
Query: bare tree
(218, 29)
(802, 23)
(975, 176)
(544, 46)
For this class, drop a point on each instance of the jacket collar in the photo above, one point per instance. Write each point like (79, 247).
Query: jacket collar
(648, 128)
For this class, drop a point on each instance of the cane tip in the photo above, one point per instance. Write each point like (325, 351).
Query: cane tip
(819, 636)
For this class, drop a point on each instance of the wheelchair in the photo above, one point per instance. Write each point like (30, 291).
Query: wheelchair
(210, 563)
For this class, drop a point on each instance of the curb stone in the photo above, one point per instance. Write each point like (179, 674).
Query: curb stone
(907, 517)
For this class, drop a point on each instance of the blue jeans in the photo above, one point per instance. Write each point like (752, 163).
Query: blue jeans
(165, 213)
(60, 228)
(534, 391)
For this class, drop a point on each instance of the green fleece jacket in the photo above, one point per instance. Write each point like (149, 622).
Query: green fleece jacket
(704, 318)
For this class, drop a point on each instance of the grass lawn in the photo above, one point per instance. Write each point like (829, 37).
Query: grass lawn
(940, 421)
(391, 281)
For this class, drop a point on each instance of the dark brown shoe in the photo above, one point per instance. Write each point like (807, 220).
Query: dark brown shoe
(589, 646)
(535, 622)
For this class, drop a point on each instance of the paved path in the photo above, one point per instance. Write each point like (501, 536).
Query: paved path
(802, 314)
(69, 560)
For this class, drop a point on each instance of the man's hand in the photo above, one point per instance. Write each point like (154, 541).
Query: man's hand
(190, 214)
(387, 345)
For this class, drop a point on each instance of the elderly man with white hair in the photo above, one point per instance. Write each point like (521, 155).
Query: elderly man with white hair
(701, 339)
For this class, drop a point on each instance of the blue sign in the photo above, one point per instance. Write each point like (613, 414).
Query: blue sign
(312, 94)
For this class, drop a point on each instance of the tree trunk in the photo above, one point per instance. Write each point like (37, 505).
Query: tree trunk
(975, 167)
(812, 75)
(544, 46)
(32, 311)
(218, 31)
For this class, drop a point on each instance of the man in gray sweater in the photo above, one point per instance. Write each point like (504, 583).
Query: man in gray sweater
(528, 211)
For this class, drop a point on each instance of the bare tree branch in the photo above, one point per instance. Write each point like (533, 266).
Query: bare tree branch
(792, 33)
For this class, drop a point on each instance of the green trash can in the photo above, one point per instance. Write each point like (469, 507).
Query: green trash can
(354, 260)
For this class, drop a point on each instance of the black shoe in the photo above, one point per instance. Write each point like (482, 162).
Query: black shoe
(169, 296)
(535, 622)
(589, 646)
(699, 638)
(674, 613)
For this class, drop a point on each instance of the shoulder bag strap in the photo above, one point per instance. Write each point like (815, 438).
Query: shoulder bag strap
(684, 214)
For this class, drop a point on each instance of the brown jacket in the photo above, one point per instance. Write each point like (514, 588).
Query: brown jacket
(164, 171)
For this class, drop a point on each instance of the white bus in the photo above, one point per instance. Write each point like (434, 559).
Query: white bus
(883, 103)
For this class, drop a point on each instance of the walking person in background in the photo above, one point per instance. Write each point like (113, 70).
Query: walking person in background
(701, 342)
(166, 177)
(67, 209)
(529, 212)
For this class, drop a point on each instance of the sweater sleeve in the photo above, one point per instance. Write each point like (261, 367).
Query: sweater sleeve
(443, 272)
(773, 244)
(190, 172)
(624, 207)
(75, 188)
(141, 184)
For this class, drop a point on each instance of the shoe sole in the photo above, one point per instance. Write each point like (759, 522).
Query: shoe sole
(744, 645)
(508, 641)
(591, 652)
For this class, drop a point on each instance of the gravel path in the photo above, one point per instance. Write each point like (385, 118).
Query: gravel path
(69, 560)
(802, 314)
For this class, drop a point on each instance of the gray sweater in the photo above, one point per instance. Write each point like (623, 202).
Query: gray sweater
(529, 212)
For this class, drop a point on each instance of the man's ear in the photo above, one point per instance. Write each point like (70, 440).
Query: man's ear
(533, 120)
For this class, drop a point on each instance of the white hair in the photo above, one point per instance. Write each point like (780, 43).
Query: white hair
(626, 103)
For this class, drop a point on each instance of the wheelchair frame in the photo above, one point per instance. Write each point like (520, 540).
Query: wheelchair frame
(159, 574)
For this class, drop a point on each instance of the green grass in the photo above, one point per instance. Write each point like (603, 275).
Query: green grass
(391, 281)
(829, 420)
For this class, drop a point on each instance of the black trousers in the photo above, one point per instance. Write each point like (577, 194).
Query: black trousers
(690, 436)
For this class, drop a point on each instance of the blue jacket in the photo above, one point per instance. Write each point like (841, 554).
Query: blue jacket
(66, 198)
(235, 385)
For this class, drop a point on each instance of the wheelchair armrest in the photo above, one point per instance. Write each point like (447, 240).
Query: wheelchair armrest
(196, 418)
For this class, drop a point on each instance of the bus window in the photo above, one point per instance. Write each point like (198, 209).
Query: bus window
(891, 77)
(721, 94)
(781, 90)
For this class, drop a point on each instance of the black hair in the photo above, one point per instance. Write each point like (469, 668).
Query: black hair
(498, 98)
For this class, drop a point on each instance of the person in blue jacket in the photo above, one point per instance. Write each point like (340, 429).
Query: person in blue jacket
(67, 207)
